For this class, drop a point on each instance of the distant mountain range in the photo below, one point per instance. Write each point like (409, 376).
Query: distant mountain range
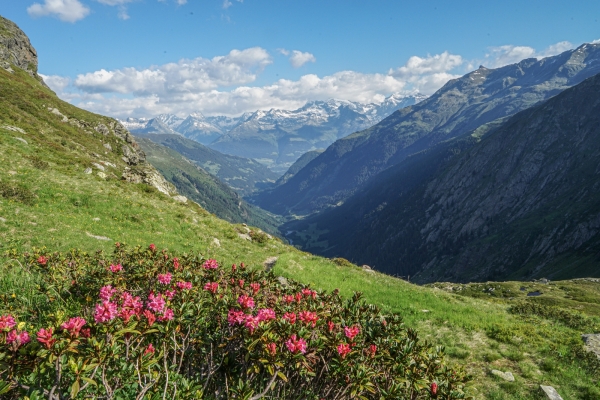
(276, 138)
(486, 194)
(461, 105)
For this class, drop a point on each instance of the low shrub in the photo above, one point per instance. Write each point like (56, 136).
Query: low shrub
(145, 324)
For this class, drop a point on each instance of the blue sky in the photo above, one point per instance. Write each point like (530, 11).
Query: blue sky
(145, 57)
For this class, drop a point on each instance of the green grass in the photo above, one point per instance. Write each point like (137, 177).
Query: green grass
(47, 201)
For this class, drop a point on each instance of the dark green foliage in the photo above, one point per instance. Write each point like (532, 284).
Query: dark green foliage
(17, 192)
(570, 318)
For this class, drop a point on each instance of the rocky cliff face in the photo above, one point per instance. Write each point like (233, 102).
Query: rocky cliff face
(16, 49)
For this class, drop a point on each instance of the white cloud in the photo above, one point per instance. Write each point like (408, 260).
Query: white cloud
(417, 66)
(284, 52)
(226, 3)
(197, 75)
(65, 10)
(509, 54)
(298, 58)
(114, 2)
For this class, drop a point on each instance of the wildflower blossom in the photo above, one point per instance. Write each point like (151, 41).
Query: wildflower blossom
(164, 279)
(246, 301)
(115, 268)
(107, 311)
(343, 350)
(42, 260)
(236, 317)
(152, 247)
(73, 326)
(150, 317)
(352, 331)
(169, 294)
(7, 322)
(288, 299)
(290, 317)
(251, 323)
(308, 317)
(271, 348)
(233, 267)
(107, 292)
(211, 287)
(309, 293)
(132, 303)
(44, 336)
(175, 262)
(330, 326)
(86, 332)
(18, 338)
(298, 297)
(255, 287)
(184, 285)
(434, 388)
(265, 314)
(372, 350)
(126, 314)
(167, 315)
(210, 264)
(295, 345)
(241, 283)
(156, 303)
(149, 349)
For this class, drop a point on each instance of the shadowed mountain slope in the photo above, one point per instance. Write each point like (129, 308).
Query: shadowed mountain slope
(460, 106)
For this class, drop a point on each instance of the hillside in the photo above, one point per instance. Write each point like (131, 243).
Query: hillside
(49, 203)
(516, 203)
(205, 189)
(243, 175)
(461, 105)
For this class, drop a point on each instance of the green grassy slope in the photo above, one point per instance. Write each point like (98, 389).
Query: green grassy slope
(47, 200)
(205, 189)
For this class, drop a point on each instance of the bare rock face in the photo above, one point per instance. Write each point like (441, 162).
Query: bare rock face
(147, 174)
(16, 49)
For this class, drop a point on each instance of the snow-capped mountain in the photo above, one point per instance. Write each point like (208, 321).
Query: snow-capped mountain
(277, 138)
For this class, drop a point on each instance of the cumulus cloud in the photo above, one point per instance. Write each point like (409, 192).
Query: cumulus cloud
(197, 75)
(56, 83)
(504, 55)
(298, 58)
(65, 10)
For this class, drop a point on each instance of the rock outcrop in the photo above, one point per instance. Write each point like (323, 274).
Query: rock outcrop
(16, 49)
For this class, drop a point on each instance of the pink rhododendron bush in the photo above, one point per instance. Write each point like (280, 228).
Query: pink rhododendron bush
(145, 324)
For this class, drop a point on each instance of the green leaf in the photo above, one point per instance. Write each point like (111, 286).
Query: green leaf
(90, 381)
(75, 389)
(282, 376)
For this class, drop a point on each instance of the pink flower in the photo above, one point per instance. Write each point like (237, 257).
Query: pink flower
(235, 317)
(164, 279)
(288, 299)
(210, 264)
(296, 345)
(149, 349)
(86, 333)
(152, 247)
(184, 285)
(352, 331)
(175, 262)
(115, 268)
(167, 315)
(241, 283)
(290, 317)
(126, 314)
(42, 260)
(233, 267)
(18, 338)
(73, 326)
(251, 323)
(7, 322)
(132, 303)
(106, 292)
(212, 287)
(309, 293)
(156, 302)
(255, 287)
(265, 314)
(331, 326)
(343, 349)
(308, 317)
(271, 348)
(44, 336)
(298, 297)
(107, 311)
(169, 294)
(372, 350)
(434, 388)
(246, 301)
(150, 317)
